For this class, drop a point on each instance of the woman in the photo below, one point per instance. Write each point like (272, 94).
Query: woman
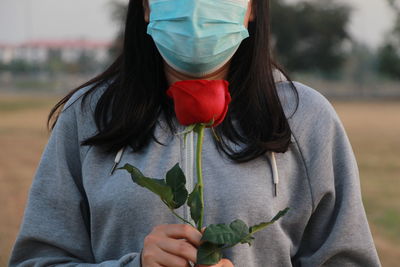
(79, 212)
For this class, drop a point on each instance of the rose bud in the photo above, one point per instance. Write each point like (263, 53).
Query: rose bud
(200, 101)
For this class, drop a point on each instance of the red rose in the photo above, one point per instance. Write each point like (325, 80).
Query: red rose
(199, 101)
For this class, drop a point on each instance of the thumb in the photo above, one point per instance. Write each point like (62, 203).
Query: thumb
(202, 232)
(226, 263)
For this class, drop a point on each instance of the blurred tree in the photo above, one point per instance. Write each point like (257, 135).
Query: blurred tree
(389, 61)
(395, 4)
(389, 53)
(19, 66)
(118, 15)
(87, 62)
(3, 67)
(54, 63)
(360, 66)
(310, 35)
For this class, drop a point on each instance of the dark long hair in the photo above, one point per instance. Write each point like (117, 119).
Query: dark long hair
(136, 84)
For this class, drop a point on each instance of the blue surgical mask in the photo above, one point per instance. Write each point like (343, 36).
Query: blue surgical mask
(197, 37)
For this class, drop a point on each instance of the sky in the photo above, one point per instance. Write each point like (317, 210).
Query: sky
(22, 20)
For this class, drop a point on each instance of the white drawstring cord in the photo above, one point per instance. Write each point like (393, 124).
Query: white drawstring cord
(117, 159)
(275, 175)
(189, 163)
(189, 172)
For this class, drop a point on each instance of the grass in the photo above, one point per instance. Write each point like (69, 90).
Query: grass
(23, 136)
(35, 85)
(373, 129)
(15, 103)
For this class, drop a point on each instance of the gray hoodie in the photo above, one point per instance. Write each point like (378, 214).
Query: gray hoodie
(78, 214)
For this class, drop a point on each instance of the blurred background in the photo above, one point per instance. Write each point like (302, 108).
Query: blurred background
(348, 50)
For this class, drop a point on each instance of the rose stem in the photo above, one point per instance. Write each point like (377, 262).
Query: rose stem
(200, 135)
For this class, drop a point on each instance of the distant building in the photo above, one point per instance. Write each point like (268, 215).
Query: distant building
(7, 52)
(39, 51)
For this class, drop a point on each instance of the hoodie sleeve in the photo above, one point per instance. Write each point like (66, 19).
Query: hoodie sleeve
(54, 229)
(337, 233)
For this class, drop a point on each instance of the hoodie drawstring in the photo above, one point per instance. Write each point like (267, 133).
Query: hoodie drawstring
(275, 174)
(117, 159)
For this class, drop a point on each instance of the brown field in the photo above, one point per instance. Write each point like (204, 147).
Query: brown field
(373, 128)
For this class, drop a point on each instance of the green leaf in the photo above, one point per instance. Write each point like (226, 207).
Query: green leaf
(194, 202)
(261, 226)
(157, 186)
(226, 234)
(208, 254)
(175, 178)
(248, 239)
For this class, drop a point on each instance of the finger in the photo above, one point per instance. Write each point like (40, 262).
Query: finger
(187, 265)
(202, 232)
(179, 247)
(221, 263)
(169, 260)
(185, 231)
(226, 263)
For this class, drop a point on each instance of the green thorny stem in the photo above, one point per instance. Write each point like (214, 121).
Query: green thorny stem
(200, 134)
